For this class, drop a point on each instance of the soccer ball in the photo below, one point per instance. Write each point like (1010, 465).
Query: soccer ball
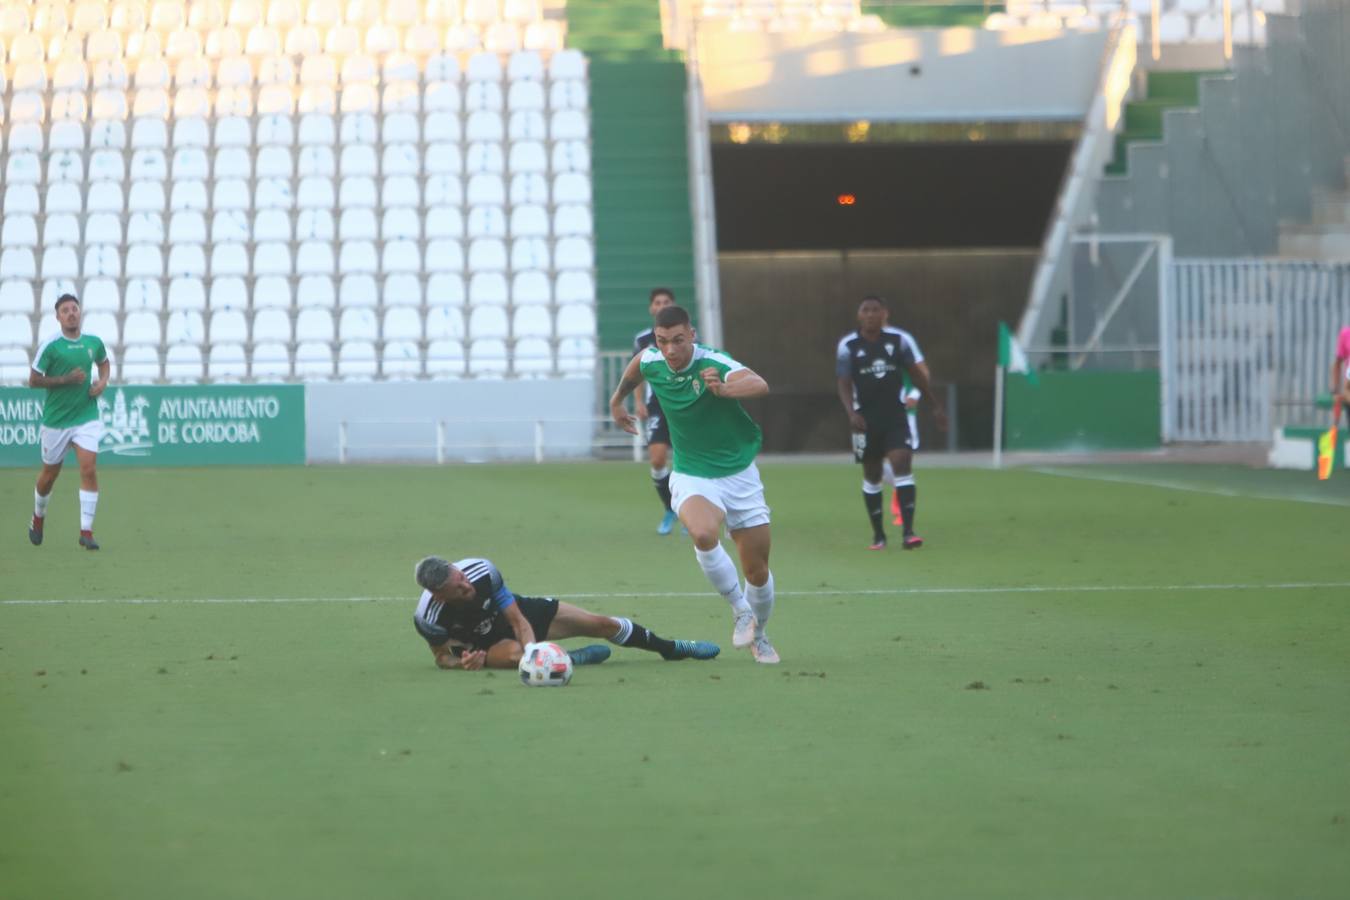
(545, 664)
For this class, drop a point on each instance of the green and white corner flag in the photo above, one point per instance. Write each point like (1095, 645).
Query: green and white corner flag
(1010, 354)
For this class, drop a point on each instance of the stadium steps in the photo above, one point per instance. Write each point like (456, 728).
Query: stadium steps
(639, 162)
(1144, 118)
(932, 15)
(1327, 236)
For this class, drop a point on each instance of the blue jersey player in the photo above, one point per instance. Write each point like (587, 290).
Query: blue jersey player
(472, 620)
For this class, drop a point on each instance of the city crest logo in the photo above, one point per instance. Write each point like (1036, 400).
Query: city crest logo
(126, 428)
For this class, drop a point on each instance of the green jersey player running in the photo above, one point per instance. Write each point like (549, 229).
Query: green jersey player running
(64, 366)
(715, 479)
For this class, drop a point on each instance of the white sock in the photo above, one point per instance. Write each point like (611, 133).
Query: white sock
(40, 504)
(761, 601)
(904, 480)
(658, 474)
(721, 571)
(88, 503)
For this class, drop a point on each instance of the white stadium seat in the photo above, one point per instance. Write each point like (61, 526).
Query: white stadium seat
(531, 287)
(229, 326)
(358, 291)
(139, 363)
(314, 360)
(359, 324)
(446, 358)
(532, 356)
(357, 361)
(183, 363)
(488, 357)
(446, 289)
(402, 289)
(271, 325)
(226, 362)
(270, 361)
(401, 323)
(401, 359)
(531, 322)
(444, 322)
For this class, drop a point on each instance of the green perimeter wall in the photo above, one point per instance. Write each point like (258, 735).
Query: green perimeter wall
(1083, 411)
(178, 425)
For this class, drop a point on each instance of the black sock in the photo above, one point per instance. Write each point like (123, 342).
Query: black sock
(663, 489)
(908, 497)
(873, 502)
(642, 639)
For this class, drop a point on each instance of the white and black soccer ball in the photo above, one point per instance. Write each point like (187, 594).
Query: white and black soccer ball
(545, 664)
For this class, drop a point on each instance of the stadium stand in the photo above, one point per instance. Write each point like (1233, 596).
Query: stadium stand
(265, 189)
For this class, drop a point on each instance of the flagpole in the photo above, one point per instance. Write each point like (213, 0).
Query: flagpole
(998, 417)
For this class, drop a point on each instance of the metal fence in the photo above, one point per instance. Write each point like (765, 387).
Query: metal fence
(1247, 345)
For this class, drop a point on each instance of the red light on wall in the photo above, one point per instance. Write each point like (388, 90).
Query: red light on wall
(846, 199)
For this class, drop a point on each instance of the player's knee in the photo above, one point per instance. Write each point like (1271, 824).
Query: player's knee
(756, 571)
(704, 537)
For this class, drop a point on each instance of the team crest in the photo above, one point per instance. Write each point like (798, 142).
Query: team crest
(126, 427)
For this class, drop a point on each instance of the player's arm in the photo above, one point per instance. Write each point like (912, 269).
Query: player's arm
(739, 385)
(37, 380)
(519, 624)
(104, 369)
(628, 382)
(844, 385)
(918, 375)
(1337, 367)
(446, 659)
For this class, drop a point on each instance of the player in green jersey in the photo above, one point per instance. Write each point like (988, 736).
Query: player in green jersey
(64, 365)
(715, 479)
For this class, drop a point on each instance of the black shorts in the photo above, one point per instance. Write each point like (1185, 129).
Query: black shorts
(658, 430)
(538, 611)
(885, 432)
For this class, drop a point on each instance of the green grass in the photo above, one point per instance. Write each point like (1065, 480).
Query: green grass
(1134, 738)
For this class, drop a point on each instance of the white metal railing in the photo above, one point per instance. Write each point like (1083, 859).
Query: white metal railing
(604, 435)
(1078, 193)
(1247, 345)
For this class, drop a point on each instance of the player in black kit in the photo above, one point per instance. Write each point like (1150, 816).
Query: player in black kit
(471, 620)
(648, 409)
(870, 367)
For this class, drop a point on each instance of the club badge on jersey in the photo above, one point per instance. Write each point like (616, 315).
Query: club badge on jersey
(859, 445)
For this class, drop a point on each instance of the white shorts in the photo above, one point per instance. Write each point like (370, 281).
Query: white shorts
(55, 441)
(740, 497)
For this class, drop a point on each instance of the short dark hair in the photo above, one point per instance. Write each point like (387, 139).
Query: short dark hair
(672, 317)
(64, 297)
(873, 298)
(658, 291)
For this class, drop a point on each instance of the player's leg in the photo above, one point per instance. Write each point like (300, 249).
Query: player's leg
(573, 621)
(902, 462)
(872, 489)
(697, 502)
(87, 456)
(748, 521)
(888, 477)
(505, 654)
(658, 453)
(54, 442)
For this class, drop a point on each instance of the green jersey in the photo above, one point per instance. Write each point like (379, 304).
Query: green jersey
(70, 404)
(711, 436)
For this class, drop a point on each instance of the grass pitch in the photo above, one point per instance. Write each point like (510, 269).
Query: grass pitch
(1079, 688)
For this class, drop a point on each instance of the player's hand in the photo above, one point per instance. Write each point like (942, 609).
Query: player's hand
(623, 419)
(712, 379)
(640, 410)
(857, 422)
(940, 417)
(912, 404)
(75, 377)
(97, 388)
(473, 660)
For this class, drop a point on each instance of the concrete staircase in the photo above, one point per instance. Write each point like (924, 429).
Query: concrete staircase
(1327, 236)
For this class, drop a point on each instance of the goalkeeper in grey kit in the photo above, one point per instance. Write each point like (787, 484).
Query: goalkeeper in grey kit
(471, 620)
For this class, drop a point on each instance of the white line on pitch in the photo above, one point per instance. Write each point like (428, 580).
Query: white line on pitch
(1189, 488)
(880, 592)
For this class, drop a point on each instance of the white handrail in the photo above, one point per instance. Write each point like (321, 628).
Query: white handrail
(1078, 192)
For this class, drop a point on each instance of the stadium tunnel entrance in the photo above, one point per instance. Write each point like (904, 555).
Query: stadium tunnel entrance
(945, 222)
